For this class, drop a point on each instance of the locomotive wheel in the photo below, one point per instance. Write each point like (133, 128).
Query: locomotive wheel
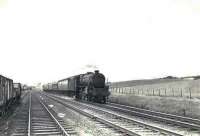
(104, 99)
(97, 99)
(2, 113)
(89, 98)
(84, 98)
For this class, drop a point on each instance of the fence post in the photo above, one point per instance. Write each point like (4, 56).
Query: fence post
(190, 93)
(165, 91)
(181, 92)
(153, 92)
(159, 92)
(173, 91)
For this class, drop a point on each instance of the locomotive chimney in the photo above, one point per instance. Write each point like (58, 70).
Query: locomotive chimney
(96, 71)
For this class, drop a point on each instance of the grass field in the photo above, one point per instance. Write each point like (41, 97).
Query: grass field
(179, 106)
(179, 97)
(179, 88)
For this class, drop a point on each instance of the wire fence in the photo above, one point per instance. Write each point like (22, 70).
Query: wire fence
(162, 92)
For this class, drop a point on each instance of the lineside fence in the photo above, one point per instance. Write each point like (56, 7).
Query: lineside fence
(162, 92)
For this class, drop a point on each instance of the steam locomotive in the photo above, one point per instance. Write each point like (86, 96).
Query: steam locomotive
(9, 93)
(90, 86)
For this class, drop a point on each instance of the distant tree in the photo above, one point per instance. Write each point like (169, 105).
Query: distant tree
(170, 77)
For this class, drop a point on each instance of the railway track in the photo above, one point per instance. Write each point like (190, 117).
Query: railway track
(35, 118)
(159, 116)
(121, 123)
(187, 123)
(172, 120)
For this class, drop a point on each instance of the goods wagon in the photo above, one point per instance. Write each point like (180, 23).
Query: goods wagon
(8, 93)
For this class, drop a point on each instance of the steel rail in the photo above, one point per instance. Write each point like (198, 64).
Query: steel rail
(57, 123)
(124, 130)
(182, 118)
(154, 117)
(29, 116)
(120, 116)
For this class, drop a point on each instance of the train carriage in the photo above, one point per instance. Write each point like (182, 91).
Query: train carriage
(68, 86)
(9, 93)
(6, 93)
(17, 90)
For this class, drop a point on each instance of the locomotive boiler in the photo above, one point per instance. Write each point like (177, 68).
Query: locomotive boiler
(94, 79)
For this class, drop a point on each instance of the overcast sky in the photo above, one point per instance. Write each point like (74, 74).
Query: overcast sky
(47, 40)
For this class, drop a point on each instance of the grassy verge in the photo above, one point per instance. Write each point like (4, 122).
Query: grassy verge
(172, 105)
